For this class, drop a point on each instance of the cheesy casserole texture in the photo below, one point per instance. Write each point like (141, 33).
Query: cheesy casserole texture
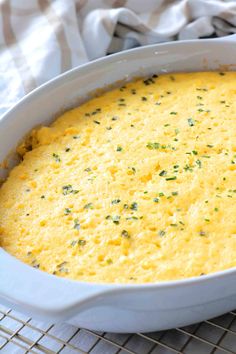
(137, 185)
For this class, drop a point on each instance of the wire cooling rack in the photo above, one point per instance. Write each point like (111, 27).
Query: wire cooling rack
(20, 334)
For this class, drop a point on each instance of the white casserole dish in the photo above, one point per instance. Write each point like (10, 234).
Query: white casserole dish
(112, 307)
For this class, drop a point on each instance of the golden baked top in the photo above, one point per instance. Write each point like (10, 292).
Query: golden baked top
(137, 185)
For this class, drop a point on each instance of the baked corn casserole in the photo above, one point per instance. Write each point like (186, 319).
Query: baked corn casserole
(137, 185)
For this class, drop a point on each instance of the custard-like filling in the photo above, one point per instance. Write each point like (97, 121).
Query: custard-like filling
(137, 185)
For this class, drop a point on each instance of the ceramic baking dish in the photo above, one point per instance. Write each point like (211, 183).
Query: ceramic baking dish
(113, 307)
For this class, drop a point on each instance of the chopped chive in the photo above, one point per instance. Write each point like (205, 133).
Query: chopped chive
(56, 157)
(78, 242)
(125, 234)
(188, 168)
(67, 211)
(133, 169)
(76, 224)
(153, 146)
(199, 163)
(88, 206)
(163, 173)
(116, 219)
(68, 189)
(191, 122)
(171, 178)
(115, 201)
(134, 206)
(132, 218)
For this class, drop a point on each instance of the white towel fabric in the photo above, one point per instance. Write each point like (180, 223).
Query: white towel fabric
(40, 39)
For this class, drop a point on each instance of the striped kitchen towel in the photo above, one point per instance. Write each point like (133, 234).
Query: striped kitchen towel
(40, 39)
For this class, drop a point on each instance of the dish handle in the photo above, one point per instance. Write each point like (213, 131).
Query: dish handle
(44, 295)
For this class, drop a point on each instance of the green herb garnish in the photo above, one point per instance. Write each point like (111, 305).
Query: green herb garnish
(191, 122)
(163, 173)
(132, 169)
(125, 234)
(199, 163)
(56, 157)
(67, 211)
(115, 201)
(68, 189)
(132, 218)
(78, 242)
(134, 206)
(114, 218)
(76, 224)
(153, 146)
(88, 206)
(171, 178)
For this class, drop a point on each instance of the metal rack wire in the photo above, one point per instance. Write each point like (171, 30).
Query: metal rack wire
(19, 334)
